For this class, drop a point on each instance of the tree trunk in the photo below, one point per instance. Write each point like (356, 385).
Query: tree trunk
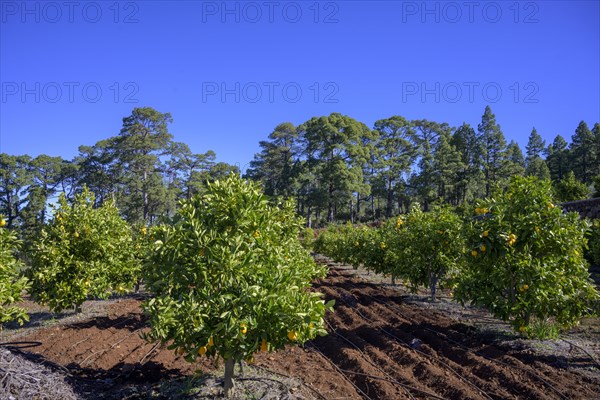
(433, 280)
(145, 196)
(390, 200)
(373, 206)
(228, 385)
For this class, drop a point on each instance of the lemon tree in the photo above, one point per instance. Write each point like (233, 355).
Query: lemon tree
(230, 277)
(525, 260)
(82, 252)
(11, 285)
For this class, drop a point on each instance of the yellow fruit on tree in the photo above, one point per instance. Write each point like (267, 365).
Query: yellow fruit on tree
(76, 234)
(485, 233)
(482, 248)
(2, 222)
(512, 238)
(211, 342)
(244, 328)
(474, 253)
(264, 346)
(250, 360)
(202, 350)
(292, 335)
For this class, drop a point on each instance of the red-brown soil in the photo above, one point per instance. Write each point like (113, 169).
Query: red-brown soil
(379, 347)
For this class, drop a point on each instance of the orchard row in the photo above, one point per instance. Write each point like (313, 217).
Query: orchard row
(228, 275)
(516, 254)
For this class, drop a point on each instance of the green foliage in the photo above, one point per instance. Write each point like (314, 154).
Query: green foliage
(230, 276)
(11, 285)
(83, 251)
(570, 189)
(596, 186)
(426, 248)
(526, 260)
(594, 242)
(307, 238)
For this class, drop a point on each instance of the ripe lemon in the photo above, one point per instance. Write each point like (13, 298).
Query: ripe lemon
(264, 346)
(474, 253)
(292, 335)
(486, 233)
(202, 350)
(211, 342)
(2, 223)
(482, 248)
(76, 234)
(244, 328)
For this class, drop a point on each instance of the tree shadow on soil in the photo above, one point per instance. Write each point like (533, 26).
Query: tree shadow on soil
(131, 322)
(124, 380)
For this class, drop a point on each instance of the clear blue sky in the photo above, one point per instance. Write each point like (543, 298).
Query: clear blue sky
(444, 61)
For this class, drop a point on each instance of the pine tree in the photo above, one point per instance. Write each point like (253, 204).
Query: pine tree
(493, 150)
(394, 153)
(143, 140)
(336, 155)
(534, 164)
(583, 153)
(557, 158)
(470, 178)
(515, 163)
(448, 165)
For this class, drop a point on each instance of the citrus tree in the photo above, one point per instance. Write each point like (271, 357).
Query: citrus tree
(525, 261)
(230, 277)
(426, 248)
(11, 285)
(82, 252)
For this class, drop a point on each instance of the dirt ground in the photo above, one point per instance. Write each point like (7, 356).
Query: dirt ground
(384, 343)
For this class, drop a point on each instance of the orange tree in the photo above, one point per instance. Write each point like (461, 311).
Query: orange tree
(11, 285)
(425, 248)
(82, 252)
(231, 278)
(525, 261)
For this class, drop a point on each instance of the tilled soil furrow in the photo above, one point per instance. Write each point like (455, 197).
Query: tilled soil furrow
(366, 333)
(347, 358)
(507, 381)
